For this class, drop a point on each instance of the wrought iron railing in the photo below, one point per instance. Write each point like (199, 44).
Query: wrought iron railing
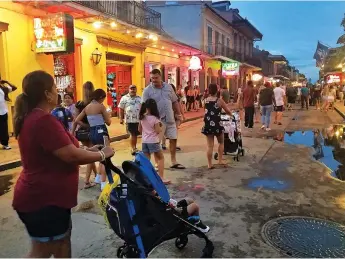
(131, 12)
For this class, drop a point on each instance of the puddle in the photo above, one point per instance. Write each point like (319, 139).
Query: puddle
(268, 183)
(328, 144)
(5, 183)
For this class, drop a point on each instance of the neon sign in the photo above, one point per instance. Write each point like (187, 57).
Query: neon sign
(230, 69)
(54, 33)
(195, 64)
(333, 79)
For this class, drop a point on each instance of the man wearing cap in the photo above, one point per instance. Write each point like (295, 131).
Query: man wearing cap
(129, 113)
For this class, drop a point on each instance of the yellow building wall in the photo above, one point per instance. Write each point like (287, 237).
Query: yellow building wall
(97, 73)
(164, 57)
(16, 51)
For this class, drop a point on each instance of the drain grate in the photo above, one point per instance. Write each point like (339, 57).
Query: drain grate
(305, 237)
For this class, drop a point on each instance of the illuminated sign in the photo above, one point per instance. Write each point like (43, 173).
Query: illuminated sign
(230, 69)
(54, 33)
(333, 79)
(195, 63)
(257, 77)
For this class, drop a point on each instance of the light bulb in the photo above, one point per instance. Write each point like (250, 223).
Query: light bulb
(97, 24)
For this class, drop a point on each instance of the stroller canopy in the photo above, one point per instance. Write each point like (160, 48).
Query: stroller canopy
(147, 175)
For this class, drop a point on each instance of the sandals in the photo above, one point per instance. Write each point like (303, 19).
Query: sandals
(89, 185)
(177, 166)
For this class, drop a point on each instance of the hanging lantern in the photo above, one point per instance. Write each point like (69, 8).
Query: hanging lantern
(96, 56)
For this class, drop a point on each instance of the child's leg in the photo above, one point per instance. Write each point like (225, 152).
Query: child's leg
(159, 157)
(148, 155)
(193, 209)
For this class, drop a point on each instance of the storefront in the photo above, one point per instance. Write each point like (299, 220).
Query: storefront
(54, 35)
(174, 68)
(231, 71)
(121, 68)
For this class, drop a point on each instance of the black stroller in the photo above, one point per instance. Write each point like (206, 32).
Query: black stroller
(143, 218)
(232, 136)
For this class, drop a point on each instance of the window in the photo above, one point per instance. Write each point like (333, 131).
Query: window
(209, 40)
(171, 2)
(223, 44)
(227, 47)
(217, 42)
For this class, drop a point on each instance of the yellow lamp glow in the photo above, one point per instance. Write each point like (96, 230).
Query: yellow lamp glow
(97, 24)
(113, 25)
(138, 35)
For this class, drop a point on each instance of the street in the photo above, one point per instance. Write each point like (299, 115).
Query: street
(235, 201)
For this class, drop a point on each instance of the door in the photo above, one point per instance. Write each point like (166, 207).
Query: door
(122, 81)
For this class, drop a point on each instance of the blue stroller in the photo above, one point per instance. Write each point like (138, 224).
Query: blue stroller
(142, 218)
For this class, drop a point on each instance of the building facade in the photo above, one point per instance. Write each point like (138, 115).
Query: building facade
(217, 30)
(105, 44)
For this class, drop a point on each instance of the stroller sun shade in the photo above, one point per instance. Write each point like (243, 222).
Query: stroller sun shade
(147, 175)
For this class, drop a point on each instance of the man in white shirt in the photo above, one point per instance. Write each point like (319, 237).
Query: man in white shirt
(129, 112)
(280, 97)
(5, 89)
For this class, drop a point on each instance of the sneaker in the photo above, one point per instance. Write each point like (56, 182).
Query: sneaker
(263, 127)
(202, 227)
(268, 129)
(98, 179)
(6, 147)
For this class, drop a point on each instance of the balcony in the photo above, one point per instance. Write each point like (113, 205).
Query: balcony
(131, 12)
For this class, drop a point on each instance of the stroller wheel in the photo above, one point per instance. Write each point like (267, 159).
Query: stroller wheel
(181, 242)
(129, 252)
(119, 251)
(215, 156)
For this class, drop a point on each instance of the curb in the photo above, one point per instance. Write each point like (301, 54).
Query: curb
(18, 163)
(340, 113)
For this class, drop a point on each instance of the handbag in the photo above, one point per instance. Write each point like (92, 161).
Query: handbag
(83, 134)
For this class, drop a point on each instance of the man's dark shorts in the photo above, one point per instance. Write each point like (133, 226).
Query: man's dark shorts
(132, 128)
(278, 108)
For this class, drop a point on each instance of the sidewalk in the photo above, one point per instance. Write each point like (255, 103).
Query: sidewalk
(11, 158)
(340, 108)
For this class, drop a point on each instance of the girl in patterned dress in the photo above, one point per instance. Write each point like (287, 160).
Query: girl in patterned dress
(213, 127)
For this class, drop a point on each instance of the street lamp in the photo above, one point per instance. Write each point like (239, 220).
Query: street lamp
(96, 56)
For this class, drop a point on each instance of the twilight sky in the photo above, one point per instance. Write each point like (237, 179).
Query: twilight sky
(293, 28)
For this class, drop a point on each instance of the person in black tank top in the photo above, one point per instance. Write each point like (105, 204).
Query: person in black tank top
(212, 124)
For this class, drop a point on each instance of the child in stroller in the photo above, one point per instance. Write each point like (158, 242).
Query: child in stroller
(189, 209)
(140, 211)
(232, 135)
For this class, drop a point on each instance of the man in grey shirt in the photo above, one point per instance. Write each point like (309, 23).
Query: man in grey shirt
(168, 107)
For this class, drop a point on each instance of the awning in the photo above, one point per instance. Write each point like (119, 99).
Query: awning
(222, 58)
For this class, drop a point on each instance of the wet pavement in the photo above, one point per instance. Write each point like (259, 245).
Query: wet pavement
(275, 178)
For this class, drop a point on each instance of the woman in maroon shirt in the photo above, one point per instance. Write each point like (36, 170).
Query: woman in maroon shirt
(47, 187)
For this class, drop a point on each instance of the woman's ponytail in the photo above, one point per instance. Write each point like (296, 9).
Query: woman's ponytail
(21, 109)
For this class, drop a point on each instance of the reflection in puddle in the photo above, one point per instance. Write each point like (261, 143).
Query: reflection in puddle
(5, 183)
(329, 146)
(268, 183)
